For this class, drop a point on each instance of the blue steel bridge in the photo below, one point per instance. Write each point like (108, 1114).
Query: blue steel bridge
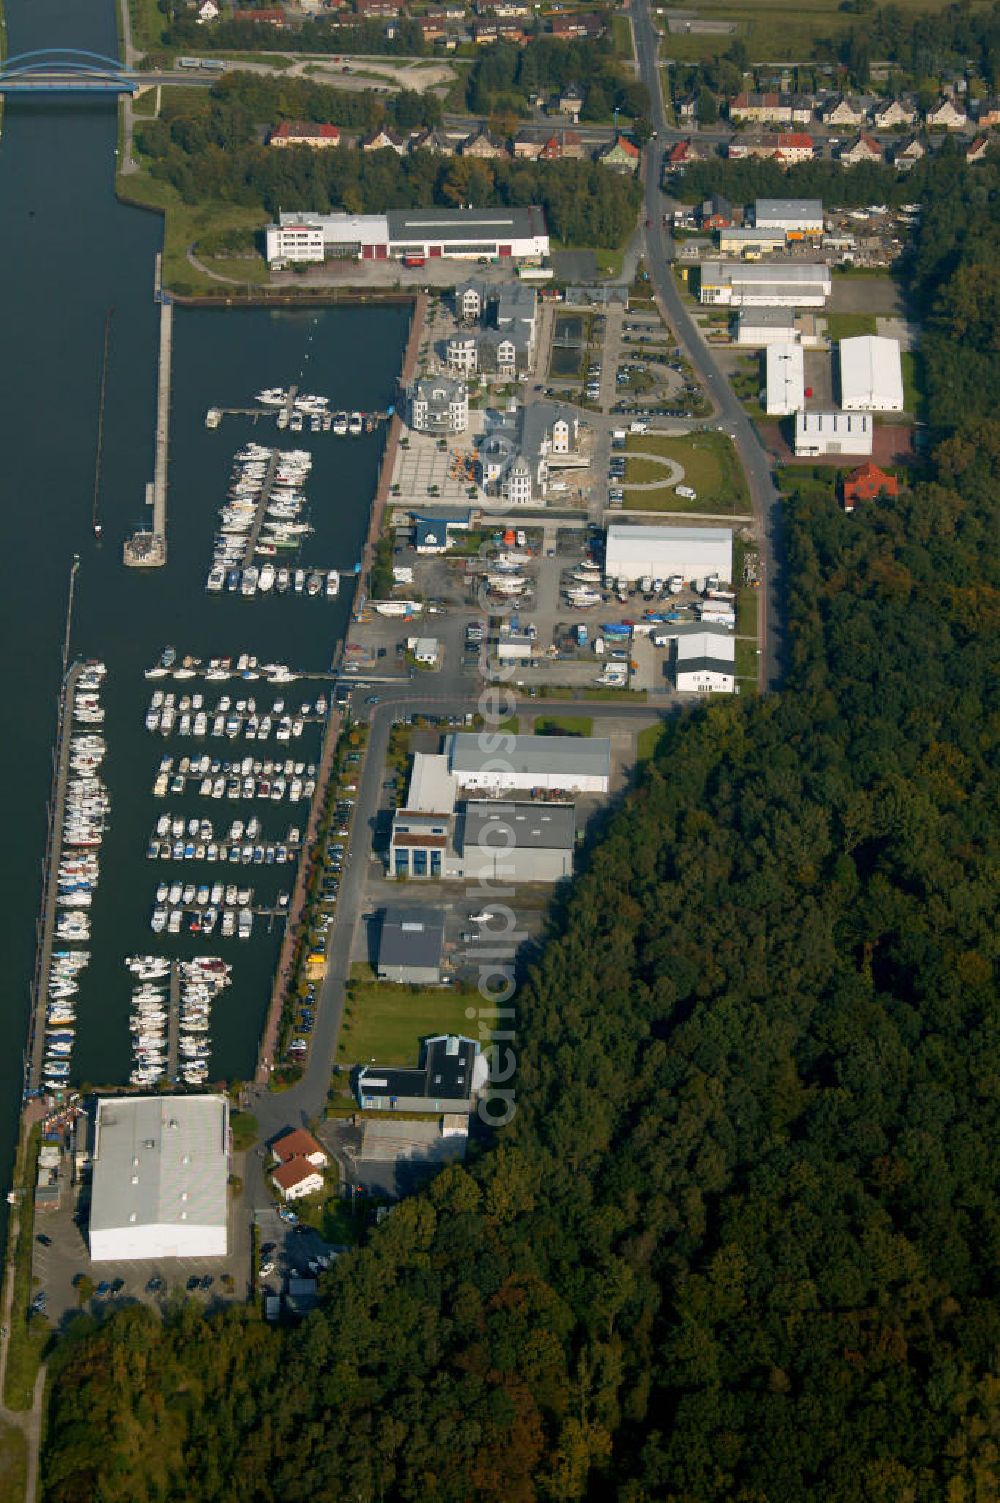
(62, 70)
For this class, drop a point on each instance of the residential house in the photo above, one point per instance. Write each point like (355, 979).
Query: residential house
(439, 406)
(484, 32)
(771, 109)
(864, 149)
(436, 141)
(504, 8)
(716, 213)
(367, 8)
(946, 115)
(621, 154)
(269, 16)
(304, 133)
(988, 114)
(296, 1179)
(686, 109)
(894, 114)
(207, 11)
(682, 155)
(909, 153)
(978, 149)
(433, 26)
(570, 101)
(793, 146)
(381, 139)
(483, 145)
(527, 146)
(299, 1144)
(867, 483)
(563, 145)
(586, 24)
(843, 111)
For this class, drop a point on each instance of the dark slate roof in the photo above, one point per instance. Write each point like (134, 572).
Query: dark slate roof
(411, 936)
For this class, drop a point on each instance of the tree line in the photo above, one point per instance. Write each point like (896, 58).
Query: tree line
(212, 149)
(740, 1240)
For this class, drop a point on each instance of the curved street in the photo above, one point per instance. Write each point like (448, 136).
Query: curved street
(729, 411)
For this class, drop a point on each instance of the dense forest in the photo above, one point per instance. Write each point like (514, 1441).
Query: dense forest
(211, 148)
(741, 1240)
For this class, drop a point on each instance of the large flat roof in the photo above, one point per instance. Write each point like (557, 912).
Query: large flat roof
(590, 755)
(465, 224)
(542, 827)
(786, 374)
(808, 210)
(641, 536)
(446, 1073)
(160, 1161)
(432, 787)
(775, 273)
(718, 648)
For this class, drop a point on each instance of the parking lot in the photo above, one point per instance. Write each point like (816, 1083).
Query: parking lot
(63, 1271)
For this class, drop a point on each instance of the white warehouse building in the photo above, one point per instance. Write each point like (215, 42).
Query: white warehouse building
(818, 433)
(871, 374)
(464, 234)
(706, 663)
(798, 217)
(767, 284)
(505, 764)
(161, 1166)
(691, 552)
(785, 388)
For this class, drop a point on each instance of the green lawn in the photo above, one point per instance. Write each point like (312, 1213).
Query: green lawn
(564, 725)
(746, 611)
(148, 22)
(621, 35)
(711, 468)
(911, 363)
(184, 224)
(145, 104)
(386, 1023)
(647, 742)
(746, 661)
(771, 28)
(850, 325)
(13, 1464)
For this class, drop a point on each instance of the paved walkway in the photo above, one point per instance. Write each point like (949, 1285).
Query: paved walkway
(674, 476)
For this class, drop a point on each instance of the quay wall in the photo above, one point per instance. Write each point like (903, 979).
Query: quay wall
(335, 722)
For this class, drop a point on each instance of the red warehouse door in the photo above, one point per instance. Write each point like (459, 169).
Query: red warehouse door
(434, 250)
(505, 250)
(368, 253)
(381, 252)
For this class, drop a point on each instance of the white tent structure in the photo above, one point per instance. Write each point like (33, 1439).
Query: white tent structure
(871, 375)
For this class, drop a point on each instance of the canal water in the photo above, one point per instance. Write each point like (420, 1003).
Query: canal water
(69, 253)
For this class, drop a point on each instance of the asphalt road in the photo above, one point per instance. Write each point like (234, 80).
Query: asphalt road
(730, 414)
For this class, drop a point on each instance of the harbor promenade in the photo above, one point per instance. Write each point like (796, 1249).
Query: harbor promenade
(283, 975)
(147, 547)
(50, 885)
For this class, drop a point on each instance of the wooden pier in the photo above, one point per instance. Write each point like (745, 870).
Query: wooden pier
(50, 884)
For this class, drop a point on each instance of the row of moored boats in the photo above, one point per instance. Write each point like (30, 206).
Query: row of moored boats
(247, 779)
(255, 580)
(85, 819)
(187, 715)
(219, 670)
(200, 981)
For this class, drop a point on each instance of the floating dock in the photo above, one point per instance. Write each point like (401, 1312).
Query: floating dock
(174, 1020)
(267, 486)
